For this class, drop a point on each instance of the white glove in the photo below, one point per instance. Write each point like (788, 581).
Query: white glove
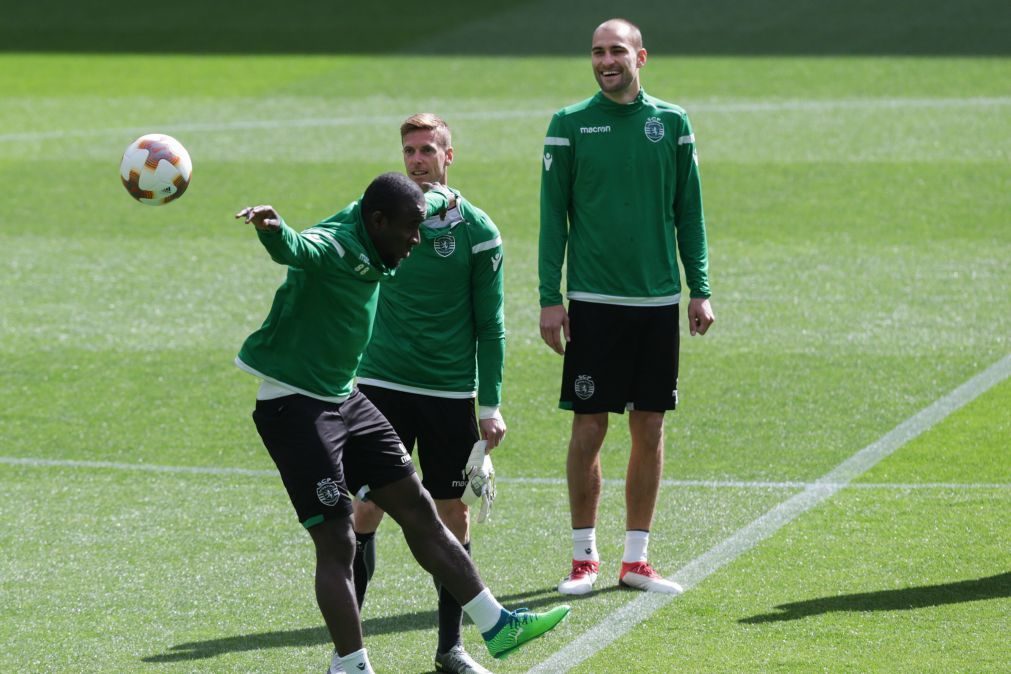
(480, 476)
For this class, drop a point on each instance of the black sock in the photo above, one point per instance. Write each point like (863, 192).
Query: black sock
(365, 563)
(450, 616)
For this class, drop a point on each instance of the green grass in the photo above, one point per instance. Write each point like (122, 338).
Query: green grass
(857, 212)
(884, 578)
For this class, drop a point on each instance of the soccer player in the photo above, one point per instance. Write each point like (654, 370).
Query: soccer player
(620, 192)
(327, 440)
(438, 317)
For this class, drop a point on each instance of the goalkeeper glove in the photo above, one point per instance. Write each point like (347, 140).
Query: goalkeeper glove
(480, 476)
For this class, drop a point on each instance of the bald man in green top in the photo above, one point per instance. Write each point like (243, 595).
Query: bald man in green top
(621, 200)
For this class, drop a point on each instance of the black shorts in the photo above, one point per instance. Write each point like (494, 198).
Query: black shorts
(328, 452)
(620, 358)
(445, 430)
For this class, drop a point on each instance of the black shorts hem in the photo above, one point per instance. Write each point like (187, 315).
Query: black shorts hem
(389, 478)
(327, 516)
(443, 430)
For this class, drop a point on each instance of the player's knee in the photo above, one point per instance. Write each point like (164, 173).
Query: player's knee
(455, 515)
(367, 516)
(646, 429)
(590, 423)
(588, 431)
(334, 541)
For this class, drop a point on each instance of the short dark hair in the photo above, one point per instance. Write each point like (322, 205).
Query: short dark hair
(391, 193)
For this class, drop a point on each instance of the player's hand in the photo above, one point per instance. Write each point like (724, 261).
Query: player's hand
(700, 316)
(264, 218)
(554, 324)
(439, 188)
(492, 430)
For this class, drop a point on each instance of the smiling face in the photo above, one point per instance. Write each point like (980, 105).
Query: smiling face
(617, 55)
(427, 155)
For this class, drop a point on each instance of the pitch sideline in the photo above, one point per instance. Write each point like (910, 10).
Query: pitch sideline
(744, 539)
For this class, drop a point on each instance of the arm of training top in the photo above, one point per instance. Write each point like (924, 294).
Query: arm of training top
(689, 219)
(488, 300)
(308, 251)
(317, 247)
(556, 193)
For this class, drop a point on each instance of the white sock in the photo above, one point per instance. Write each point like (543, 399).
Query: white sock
(484, 610)
(584, 544)
(357, 662)
(636, 543)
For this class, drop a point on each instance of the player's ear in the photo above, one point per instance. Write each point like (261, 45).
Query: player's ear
(640, 58)
(449, 155)
(376, 221)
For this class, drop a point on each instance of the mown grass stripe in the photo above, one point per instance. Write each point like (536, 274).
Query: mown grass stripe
(116, 465)
(743, 106)
(32, 462)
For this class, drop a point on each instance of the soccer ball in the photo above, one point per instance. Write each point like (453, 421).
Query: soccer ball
(156, 169)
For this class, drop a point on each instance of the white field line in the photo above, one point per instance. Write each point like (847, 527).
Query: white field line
(545, 114)
(31, 462)
(240, 125)
(627, 617)
(760, 484)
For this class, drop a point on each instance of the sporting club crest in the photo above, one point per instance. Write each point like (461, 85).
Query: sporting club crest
(654, 129)
(585, 387)
(444, 245)
(328, 492)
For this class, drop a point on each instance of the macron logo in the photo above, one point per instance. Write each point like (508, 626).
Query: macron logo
(595, 129)
(547, 161)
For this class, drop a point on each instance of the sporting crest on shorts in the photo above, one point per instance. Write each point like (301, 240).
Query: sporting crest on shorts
(328, 492)
(654, 129)
(444, 245)
(584, 387)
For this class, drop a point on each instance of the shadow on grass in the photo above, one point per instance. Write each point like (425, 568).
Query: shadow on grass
(992, 587)
(317, 636)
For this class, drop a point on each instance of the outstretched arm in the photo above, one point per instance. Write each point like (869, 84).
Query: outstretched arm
(283, 243)
(263, 218)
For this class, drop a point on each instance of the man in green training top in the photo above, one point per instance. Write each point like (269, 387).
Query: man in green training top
(438, 317)
(621, 195)
(327, 440)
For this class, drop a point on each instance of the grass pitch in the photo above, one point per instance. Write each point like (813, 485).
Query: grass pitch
(858, 219)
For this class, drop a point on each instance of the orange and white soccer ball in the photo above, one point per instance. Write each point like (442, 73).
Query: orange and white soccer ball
(156, 169)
